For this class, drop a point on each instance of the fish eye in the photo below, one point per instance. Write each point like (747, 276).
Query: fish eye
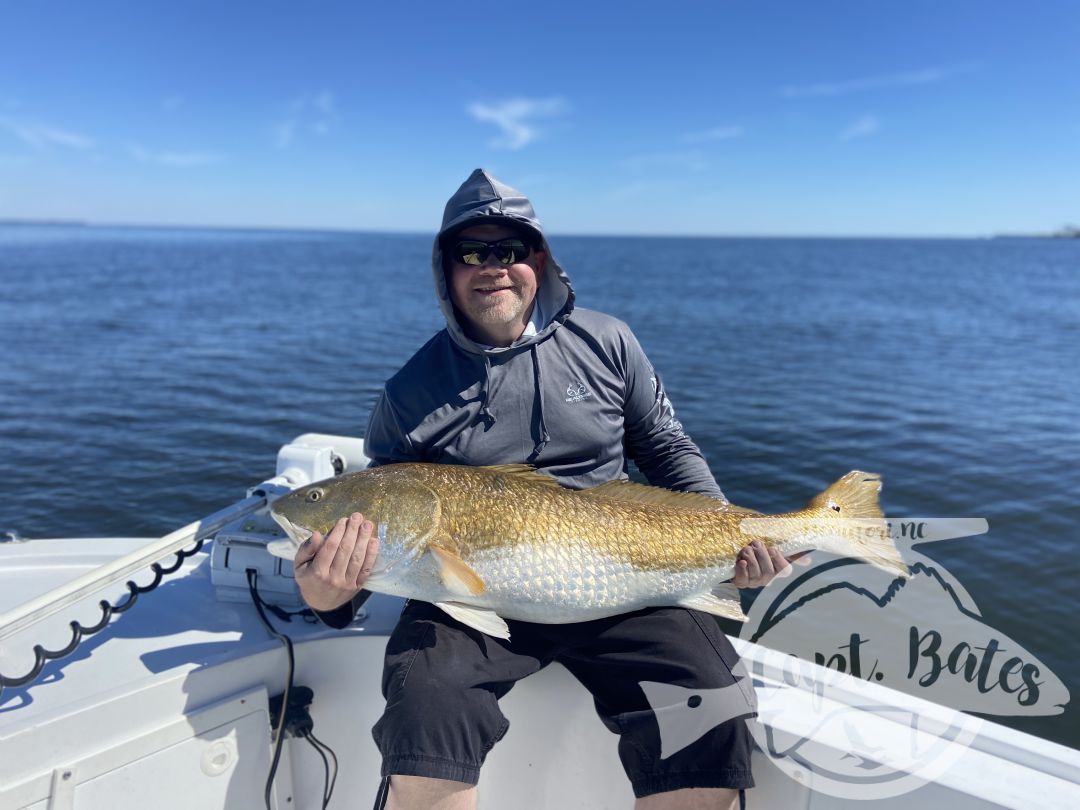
(314, 495)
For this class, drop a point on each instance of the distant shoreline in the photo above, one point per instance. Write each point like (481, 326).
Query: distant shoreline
(1066, 232)
(67, 223)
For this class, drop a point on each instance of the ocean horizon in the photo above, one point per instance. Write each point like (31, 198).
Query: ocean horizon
(13, 223)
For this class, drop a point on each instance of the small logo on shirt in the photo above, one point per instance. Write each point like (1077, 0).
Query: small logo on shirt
(576, 392)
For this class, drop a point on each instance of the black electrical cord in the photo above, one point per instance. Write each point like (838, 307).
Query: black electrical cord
(327, 789)
(331, 781)
(307, 614)
(326, 769)
(333, 756)
(252, 577)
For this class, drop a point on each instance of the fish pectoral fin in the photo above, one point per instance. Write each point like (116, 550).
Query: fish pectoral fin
(456, 574)
(482, 619)
(723, 605)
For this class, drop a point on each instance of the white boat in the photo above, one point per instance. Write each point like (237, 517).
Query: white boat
(169, 703)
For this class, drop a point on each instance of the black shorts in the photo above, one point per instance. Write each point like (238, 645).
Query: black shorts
(442, 682)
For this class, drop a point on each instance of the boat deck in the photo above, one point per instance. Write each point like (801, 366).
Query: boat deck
(133, 712)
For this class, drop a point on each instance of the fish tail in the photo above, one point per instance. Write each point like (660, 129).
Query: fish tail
(866, 535)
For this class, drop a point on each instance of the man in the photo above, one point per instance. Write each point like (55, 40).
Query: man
(521, 375)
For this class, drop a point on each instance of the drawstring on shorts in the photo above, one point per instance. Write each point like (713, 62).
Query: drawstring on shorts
(384, 792)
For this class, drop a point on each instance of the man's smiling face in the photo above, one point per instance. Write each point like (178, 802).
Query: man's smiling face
(495, 300)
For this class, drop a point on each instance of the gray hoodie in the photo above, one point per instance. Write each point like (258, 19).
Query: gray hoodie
(578, 399)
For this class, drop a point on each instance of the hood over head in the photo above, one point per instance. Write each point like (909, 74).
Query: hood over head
(483, 199)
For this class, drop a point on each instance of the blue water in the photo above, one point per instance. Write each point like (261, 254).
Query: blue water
(148, 376)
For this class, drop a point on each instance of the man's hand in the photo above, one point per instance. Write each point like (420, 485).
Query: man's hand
(330, 571)
(758, 565)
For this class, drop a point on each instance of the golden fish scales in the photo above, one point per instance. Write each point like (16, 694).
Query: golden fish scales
(475, 509)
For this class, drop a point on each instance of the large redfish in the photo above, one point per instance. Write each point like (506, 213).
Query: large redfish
(487, 543)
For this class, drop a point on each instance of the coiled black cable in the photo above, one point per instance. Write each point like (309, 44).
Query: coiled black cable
(80, 631)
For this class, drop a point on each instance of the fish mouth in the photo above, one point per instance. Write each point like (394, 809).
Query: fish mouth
(298, 534)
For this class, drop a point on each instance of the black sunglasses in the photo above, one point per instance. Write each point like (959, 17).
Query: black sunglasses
(475, 252)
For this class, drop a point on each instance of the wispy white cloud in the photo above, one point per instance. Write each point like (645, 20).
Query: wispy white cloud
(316, 113)
(181, 160)
(714, 134)
(930, 75)
(40, 136)
(691, 160)
(516, 118)
(866, 125)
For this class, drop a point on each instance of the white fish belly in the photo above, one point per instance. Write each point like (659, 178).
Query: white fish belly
(557, 583)
(552, 583)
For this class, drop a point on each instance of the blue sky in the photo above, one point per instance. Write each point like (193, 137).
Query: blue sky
(755, 118)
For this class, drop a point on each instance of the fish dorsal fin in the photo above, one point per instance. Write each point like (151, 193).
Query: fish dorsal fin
(482, 619)
(655, 496)
(456, 574)
(525, 472)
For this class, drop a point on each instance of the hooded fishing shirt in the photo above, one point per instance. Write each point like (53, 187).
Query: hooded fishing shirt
(574, 396)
